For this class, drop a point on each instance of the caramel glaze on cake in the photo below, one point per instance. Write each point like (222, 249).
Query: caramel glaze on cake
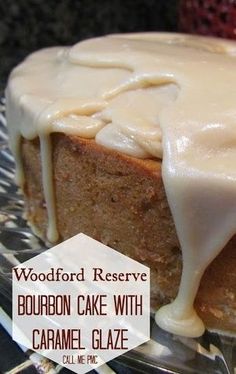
(119, 200)
(149, 97)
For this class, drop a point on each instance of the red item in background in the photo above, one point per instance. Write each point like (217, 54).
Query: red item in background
(208, 17)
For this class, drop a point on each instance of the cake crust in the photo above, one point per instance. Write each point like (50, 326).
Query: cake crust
(120, 201)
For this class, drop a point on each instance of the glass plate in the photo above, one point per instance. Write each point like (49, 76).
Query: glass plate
(164, 352)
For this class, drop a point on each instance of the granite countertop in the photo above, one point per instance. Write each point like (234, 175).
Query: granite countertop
(27, 25)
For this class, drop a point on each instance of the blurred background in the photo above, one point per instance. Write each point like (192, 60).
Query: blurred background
(27, 25)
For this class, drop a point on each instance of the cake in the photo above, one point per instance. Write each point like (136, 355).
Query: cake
(130, 140)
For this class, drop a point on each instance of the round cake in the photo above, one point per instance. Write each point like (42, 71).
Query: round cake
(130, 139)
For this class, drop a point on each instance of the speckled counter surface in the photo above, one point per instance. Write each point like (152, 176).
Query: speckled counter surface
(27, 25)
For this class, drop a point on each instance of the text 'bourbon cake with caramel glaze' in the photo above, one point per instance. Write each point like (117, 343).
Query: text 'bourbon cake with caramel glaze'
(131, 139)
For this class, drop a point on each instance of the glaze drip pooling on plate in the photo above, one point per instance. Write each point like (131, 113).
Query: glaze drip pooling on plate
(158, 95)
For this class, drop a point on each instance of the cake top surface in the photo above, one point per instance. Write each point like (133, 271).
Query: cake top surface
(117, 88)
(147, 95)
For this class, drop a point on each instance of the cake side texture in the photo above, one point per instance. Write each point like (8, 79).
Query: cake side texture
(121, 201)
